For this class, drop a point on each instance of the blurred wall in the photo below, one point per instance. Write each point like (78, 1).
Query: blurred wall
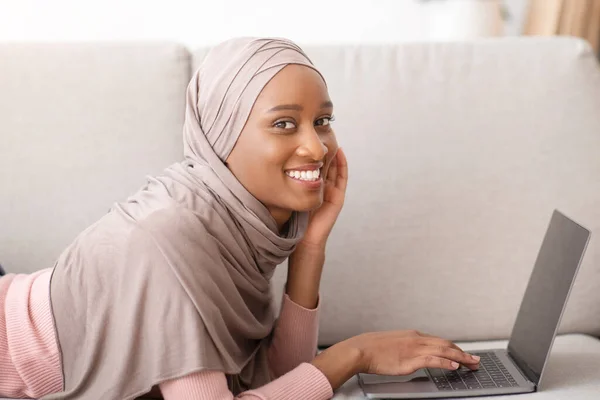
(201, 22)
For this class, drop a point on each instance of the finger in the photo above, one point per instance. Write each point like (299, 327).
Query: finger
(332, 171)
(438, 340)
(473, 367)
(452, 354)
(435, 341)
(342, 167)
(458, 356)
(430, 361)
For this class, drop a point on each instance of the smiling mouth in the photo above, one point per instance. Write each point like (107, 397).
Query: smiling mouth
(306, 176)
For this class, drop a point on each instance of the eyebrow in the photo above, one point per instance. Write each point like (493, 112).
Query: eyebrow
(297, 107)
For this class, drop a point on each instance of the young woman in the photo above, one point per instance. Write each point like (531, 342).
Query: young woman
(170, 291)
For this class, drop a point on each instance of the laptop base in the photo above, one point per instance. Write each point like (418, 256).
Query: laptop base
(420, 385)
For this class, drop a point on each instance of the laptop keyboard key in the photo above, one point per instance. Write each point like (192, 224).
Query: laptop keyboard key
(491, 374)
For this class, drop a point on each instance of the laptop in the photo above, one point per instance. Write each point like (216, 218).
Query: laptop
(520, 367)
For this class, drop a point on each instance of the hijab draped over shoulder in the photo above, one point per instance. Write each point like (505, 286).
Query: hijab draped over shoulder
(176, 279)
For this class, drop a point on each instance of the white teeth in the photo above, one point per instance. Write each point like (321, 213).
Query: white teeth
(304, 175)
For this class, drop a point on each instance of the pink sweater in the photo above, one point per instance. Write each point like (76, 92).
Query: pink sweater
(30, 360)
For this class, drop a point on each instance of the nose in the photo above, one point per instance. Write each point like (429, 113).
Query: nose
(312, 146)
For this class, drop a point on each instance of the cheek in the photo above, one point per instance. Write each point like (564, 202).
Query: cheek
(265, 157)
(269, 154)
(332, 146)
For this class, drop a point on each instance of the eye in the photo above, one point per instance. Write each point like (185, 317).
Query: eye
(284, 125)
(325, 121)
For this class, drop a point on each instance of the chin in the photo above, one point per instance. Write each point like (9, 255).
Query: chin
(308, 206)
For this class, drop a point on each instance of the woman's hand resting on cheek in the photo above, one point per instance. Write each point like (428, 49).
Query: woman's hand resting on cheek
(390, 353)
(306, 263)
(323, 219)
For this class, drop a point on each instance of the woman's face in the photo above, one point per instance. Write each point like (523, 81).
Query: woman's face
(287, 144)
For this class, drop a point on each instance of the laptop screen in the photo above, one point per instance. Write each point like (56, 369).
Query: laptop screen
(546, 294)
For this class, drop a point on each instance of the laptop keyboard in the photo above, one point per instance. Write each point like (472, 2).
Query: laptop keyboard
(491, 374)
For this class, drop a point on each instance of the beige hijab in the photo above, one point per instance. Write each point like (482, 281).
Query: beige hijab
(176, 279)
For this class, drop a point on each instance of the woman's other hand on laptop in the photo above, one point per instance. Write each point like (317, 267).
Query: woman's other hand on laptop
(390, 353)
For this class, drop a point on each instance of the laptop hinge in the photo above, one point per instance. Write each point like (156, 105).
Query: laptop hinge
(523, 368)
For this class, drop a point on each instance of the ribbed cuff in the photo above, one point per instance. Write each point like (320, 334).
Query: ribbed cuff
(30, 334)
(288, 301)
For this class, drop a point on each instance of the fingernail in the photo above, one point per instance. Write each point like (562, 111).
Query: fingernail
(454, 365)
(476, 358)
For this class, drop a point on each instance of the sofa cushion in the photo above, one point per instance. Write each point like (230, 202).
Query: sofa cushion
(571, 373)
(82, 125)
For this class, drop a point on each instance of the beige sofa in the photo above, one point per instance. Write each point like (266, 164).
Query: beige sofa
(458, 152)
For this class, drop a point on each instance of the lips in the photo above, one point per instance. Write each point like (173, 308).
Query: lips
(309, 176)
(306, 167)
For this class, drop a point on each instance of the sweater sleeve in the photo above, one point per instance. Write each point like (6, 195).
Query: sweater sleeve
(294, 338)
(303, 382)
